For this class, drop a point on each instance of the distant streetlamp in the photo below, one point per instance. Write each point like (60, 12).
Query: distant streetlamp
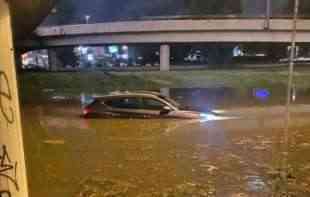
(54, 11)
(267, 14)
(290, 94)
(292, 51)
(87, 17)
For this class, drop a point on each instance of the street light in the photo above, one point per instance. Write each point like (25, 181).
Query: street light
(290, 94)
(292, 51)
(87, 17)
(267, 14)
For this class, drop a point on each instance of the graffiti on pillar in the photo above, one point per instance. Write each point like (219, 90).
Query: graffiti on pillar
(8, 168)
(13, 182)
(5, 95)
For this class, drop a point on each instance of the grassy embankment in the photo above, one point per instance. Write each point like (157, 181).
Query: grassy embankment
(77, 82)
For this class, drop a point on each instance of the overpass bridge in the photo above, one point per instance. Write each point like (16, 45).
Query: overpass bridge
(167, 32)
(172, 31)
(250, 25)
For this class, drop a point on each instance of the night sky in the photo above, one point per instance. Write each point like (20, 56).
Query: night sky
(74, 11)
(111, 10)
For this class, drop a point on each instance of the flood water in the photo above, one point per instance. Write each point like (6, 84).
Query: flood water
(261, 151)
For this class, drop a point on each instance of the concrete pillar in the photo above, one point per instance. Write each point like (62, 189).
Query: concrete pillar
(13, 179)
(53, 60)
(164, 57)
(132, 55)
(165, 92)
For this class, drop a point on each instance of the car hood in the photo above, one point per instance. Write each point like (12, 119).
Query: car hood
(185, 114)
(204, 117)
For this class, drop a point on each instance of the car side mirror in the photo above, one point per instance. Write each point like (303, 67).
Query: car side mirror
(165, 110)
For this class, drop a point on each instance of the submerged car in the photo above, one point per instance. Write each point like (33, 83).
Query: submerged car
(138, 104)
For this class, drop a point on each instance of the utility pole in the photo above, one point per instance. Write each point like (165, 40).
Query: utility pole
(267, 14)
(287, 136)
(292, 52)
(87, 17)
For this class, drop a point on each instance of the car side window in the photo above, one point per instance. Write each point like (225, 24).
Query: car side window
(126, 103)
(152, 104)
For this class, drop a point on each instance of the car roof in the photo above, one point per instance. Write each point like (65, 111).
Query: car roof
(124, 94)
(127, 94)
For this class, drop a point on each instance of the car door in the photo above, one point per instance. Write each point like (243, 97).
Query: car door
(125, 106)
(152, 107)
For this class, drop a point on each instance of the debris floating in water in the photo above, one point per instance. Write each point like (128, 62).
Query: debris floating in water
(54, 142)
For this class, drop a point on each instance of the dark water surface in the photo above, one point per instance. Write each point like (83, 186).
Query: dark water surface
(260, 152)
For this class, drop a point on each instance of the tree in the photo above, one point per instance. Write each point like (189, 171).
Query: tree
(64, 12)
(304, 7)
(214, 7)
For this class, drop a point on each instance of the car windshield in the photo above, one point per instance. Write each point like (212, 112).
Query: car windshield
(152, 104)
(171, 101)
(154, 98)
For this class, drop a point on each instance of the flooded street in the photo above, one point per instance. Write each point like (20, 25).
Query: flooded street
(162, 98)
(256, 151)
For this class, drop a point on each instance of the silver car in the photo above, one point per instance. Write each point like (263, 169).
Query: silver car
(139, 104)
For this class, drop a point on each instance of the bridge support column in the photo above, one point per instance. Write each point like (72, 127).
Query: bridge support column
(164, 57)
(53, 61)
(165, 92)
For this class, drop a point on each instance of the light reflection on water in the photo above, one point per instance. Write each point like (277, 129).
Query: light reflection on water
(239, 154)
(208, 117)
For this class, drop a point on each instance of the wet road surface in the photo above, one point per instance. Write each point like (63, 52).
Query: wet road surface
(257, 153)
